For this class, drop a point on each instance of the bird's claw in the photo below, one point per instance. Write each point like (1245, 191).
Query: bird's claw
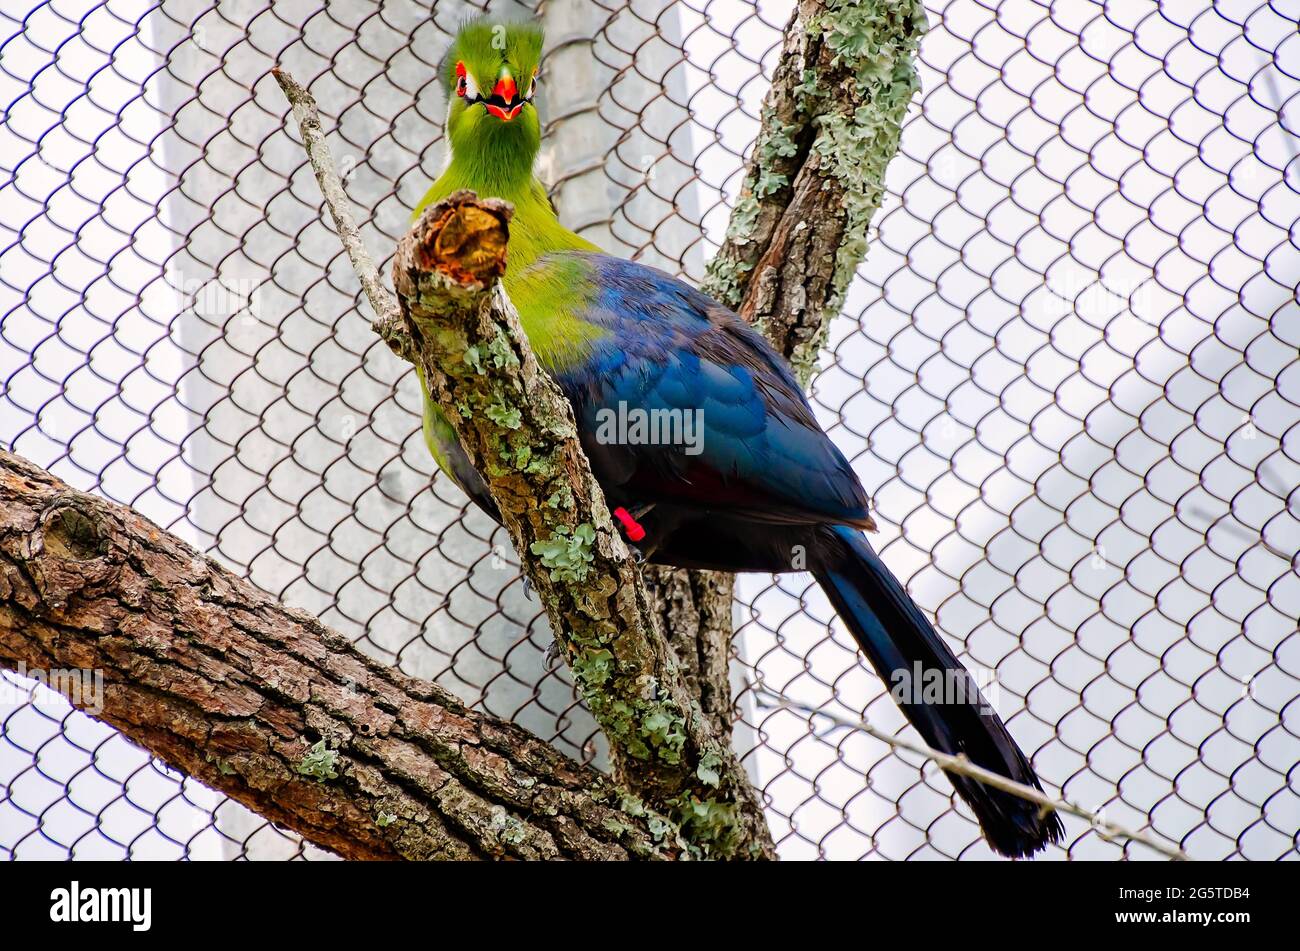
(528, 588)
(552, 658)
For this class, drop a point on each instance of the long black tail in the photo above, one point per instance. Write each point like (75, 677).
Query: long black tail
(903, 647)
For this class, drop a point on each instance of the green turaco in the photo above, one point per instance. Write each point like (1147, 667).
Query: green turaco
(706, 448)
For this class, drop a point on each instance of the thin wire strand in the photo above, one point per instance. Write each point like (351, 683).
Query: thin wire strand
(770, 699)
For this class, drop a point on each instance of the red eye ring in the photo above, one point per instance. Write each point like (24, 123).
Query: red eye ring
(460, 79)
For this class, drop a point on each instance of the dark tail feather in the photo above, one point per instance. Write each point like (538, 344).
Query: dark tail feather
(896, 637)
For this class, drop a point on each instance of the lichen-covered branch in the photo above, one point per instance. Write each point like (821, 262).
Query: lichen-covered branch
(519, 433)
(695, 609)
(830, 125)
(270, 707)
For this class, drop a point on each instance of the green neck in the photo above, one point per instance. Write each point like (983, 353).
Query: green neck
(551, 298)
(534, 230)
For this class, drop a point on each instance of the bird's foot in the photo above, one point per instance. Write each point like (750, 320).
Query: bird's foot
(528, 588)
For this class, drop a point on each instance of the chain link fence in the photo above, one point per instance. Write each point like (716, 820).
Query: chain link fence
(1068, 374)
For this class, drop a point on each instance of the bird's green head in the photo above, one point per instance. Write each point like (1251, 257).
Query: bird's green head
(491, 77)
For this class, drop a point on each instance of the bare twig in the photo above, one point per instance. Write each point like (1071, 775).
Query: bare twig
(388, 322)
(770, 699)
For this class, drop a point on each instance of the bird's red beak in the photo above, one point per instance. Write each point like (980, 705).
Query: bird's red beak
(508, 93)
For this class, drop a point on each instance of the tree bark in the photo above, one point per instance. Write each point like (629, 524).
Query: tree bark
(277, 711)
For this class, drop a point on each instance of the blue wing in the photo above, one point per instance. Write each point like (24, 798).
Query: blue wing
(741, 435)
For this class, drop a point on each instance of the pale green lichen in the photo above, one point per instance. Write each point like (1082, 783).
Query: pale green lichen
(872, 36)
(778, 140)
(385, 819)
(522, 458)
(495, 352)
(567, 553)
(659, 828)
(708, 769)
(507, 416)
(665, 728)
(644, 728)
(663, 829)
(808, 85)
(619, 719)
(769, 182)
(727, 274)
(877, 41)
(617, 826)
(856, 135)
(775, 144)
(223, 767)
(319, 762)
(506, 827)
(710, 825)
(743, 217)
(593, 666)
(700, 828)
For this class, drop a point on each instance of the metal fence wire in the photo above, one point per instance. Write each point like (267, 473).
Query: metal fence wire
(1068, 374)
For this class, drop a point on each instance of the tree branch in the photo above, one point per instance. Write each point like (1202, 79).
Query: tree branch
(519, 432)
(831, 122)
(272, 708)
